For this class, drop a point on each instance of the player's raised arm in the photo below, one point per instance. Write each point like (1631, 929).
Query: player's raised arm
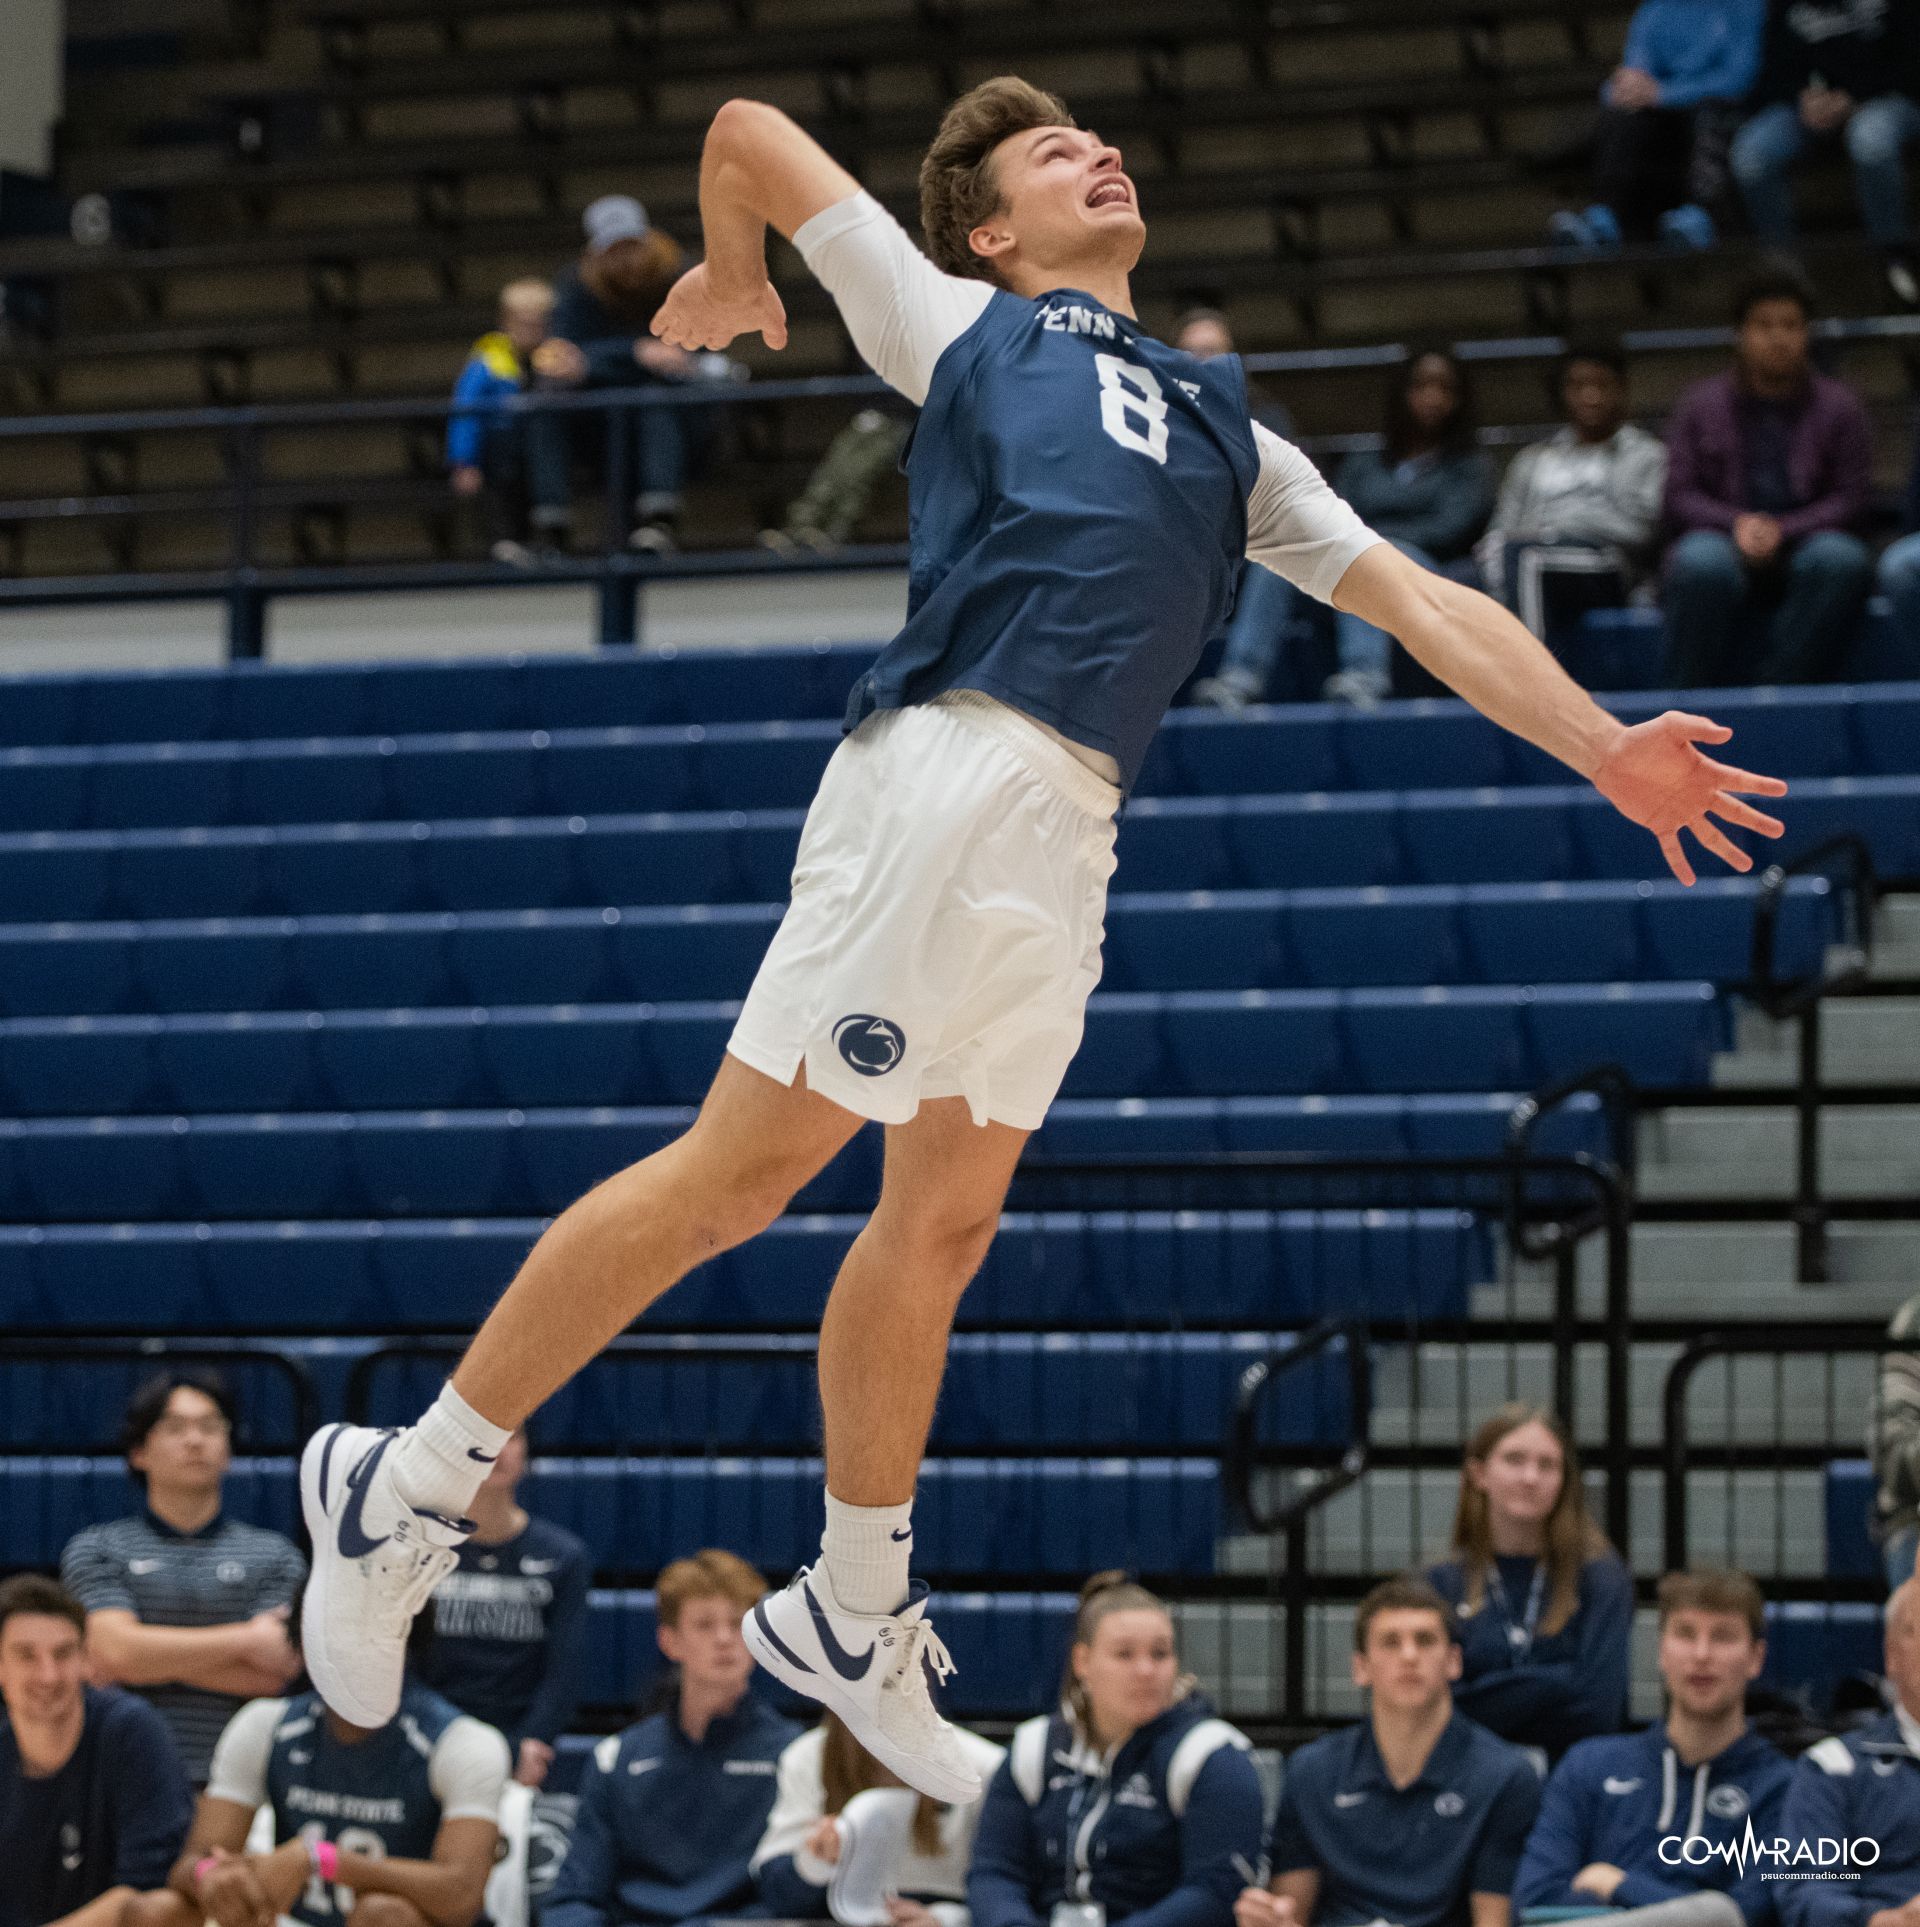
(758, 169)
(1653, 772)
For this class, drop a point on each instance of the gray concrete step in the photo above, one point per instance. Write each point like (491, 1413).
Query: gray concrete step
(1865, 1041)
(1749, 1152)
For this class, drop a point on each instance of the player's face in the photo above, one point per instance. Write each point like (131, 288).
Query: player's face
(1064, 200)
(1521, 1476)
(1409, 1661)
(705, 1644)
(188, 1448)
(1706, 1660)
(42, 1668)
(1129, 1669)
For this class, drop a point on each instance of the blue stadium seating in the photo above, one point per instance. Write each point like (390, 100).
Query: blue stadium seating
(1813, 1643)
(1851, 1552)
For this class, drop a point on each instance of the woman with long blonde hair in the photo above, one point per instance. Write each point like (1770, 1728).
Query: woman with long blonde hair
(1544, 1602)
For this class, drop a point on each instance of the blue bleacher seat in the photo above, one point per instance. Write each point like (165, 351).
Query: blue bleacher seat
(1813, 1643)
(1851, 1552)
(323, 781)
(1535, 933)
(373, 962)
(1349, 938)
(47, 970)
(536, 957)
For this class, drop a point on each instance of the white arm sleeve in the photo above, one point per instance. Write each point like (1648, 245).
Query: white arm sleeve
(1296, 525)
(239, 1770)
(468, 1771)
(901, 311)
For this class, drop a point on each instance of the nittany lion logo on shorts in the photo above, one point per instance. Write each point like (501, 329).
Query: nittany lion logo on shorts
(871, 1045)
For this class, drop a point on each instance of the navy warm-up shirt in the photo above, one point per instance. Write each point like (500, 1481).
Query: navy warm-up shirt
(1410, 1855)
(114, 1816)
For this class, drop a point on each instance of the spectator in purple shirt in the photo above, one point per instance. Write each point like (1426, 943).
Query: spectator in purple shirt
(1768, 473)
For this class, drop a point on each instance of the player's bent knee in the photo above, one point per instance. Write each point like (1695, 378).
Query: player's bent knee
(386, 1910)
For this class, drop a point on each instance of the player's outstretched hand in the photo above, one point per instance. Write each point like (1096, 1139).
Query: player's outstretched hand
(1657, 776)
(697, 315)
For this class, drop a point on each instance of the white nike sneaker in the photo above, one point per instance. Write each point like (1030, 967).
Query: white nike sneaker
(375, 1560)
(876, 1670)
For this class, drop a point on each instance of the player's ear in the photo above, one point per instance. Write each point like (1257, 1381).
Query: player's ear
(990, 240)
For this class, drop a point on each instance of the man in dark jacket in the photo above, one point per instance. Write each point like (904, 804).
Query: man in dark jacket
(94, 1802)
(1768, 473)
(1834, 69)
(671, 1809)
(1415, 1815)
(1636, 1819)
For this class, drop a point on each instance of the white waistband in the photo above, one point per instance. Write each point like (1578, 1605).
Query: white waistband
(1036, 745)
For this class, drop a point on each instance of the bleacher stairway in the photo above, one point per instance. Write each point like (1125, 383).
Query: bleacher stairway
(321, 988)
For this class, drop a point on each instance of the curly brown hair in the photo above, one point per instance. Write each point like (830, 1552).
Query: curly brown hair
(957, 186)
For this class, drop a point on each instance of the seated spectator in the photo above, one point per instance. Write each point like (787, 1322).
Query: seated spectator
(184, 1605)
(1265, 604)
(1846, 70)
(1176, 1843)
(1545, 1606)
(1415, 1815)
(819, 1773)
(1864, 1786)
(487, 448)
(669, 1809)
(824, 515)
(1660, 158)
(1429, 490)
(94, 1802)
(393, 1826)
(510, 1621)
(603, 306)
(1578, 515)
(1893, 1439)
(1768, 472)
(1644, 1818)
(1900, 565)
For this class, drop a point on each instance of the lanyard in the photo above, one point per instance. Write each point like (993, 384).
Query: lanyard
(1520, 1633)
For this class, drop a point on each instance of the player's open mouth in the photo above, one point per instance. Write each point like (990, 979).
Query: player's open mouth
(1111, 194)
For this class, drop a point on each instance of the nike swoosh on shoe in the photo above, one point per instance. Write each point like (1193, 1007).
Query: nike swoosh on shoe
(846, 1664)
(353, 1540)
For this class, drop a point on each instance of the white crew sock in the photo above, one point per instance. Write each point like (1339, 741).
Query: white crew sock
(442, 1462)
(866, 1549)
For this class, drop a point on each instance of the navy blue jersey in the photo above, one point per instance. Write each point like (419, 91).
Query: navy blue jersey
(383, 1795)
(1079, 515)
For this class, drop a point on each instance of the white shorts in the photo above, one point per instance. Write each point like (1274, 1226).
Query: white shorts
(948, 909)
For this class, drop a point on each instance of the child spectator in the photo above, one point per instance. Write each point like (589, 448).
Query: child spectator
(1575, 525)
(670, 1808)
(93, 1800)
(1660, 154)
(510, 1621)
(1545, 1606)
(488, 450)
(1132, 1802)
(1622, 1816)
(1768, 472)
(1415, 1815)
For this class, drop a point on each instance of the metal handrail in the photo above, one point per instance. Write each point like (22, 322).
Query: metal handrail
(1240, 1450)
(1840, 1339)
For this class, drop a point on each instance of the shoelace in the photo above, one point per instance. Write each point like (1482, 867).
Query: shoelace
(432, 1564)
(922, 1639)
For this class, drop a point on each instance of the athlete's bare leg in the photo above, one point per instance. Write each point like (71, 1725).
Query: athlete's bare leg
(606, 1258)
(883, 1343)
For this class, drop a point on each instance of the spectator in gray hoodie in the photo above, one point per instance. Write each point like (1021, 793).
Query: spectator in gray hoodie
(1577, 518)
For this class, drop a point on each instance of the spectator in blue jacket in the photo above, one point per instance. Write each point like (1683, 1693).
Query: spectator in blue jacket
(1660, 156)
(1131, 1800)
(670, 1808)
(1544, 1602)
(489, 453)
(1861, 1790)
(94, 1801)
(510, 1621)
(1415, 1815)
(824, 1769)
(1642, 1818)
(1429, 489)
